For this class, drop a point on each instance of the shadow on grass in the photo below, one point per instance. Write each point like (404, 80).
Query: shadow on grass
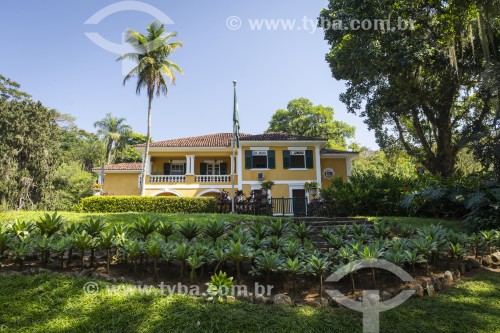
(56, 303)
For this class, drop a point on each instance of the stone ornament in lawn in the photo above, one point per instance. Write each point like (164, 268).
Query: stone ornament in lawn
(371, 306)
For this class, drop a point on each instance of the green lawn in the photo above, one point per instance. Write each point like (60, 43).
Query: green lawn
(419, 222)
(56, 303)
(128, 217)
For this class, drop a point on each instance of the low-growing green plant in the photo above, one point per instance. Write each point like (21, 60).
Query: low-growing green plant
(278, 228)
(237, 252)
(318, 266)
(133, 249)
(190, 230)
(219, 287)
(194, 261)
(302, 231)
(49, 224)
(154, 249)
(20, 250)
(145, 226)
(82, 241)
(294, 267)
(268, 262)
(166, 229)
(215, 229)
(182, 252)
(106, 242)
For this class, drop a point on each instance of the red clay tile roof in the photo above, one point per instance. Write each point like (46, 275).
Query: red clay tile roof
(336, 151)
(121, 167)
(211, 140)
(273, 136)
(224, 140)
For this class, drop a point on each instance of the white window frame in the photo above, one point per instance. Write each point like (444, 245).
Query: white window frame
(178, 165)
(260, 153)
(298, 152)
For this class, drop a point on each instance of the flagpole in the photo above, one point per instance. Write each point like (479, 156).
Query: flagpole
(232, 177)
(233, 143)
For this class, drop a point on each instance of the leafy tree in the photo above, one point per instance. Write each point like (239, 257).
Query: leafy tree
(29, 151)
(153, 69)
(418, 88)
(125, 147)
(10, 90)
(71, 184)
(111, 129)
(302, 117)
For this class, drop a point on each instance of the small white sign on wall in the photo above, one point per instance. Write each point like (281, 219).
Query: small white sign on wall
(328, 173)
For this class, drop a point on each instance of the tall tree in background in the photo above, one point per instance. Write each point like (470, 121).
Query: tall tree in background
(111, 129)
(302, 117)
(419, 88)
(153, 70)
(29, 148)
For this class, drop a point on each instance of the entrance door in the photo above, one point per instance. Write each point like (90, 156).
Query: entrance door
(299, 202)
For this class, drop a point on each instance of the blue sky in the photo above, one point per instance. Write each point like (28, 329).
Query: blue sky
(46, 50)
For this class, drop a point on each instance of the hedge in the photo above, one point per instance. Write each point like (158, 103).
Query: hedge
(123, 204)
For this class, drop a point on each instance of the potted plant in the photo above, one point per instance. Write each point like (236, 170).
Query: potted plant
(266, 186)
(311, 187)
(97, 189)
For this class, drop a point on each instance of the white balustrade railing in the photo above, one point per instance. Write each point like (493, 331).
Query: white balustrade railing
(212, 178)
(168, 179)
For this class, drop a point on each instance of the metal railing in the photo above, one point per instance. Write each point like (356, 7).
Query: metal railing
(289, 206)
(168, 179)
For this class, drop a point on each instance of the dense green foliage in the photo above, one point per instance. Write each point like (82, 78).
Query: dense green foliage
(28, 153)
(115, 204)
(367, 194)
(420, 88)
(302, 117)
(62, 305)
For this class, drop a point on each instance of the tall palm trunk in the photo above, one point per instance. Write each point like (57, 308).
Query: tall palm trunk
(109, 147)
(148, 139)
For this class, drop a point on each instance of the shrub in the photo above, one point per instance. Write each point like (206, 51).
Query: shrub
(364, 194)
(121, 204)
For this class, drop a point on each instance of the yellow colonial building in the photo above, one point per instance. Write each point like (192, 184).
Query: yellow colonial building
(203, 166)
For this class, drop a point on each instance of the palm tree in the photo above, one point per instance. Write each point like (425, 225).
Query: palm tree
(153, 69)
(111, 129)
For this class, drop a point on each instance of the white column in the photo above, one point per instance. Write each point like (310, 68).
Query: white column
(348, 162)
(317, 165)
(148, 165)
(239, 169)
(189, 164)
(232, 170)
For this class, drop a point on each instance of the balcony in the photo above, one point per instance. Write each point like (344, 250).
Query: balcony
(189, 179)
(213, 179)
(168, 179)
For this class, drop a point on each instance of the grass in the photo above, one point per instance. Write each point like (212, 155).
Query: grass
(419, 222)
(56, 303)
(129, 217)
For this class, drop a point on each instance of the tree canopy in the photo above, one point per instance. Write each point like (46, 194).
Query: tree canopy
(302, 117)
(419, 88)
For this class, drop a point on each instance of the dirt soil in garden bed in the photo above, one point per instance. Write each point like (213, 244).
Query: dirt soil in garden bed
(307, 292)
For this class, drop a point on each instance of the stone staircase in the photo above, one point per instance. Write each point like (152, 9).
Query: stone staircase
(318, 223)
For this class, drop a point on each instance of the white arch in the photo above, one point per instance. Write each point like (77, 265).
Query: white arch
(166, 191)
(212, 190)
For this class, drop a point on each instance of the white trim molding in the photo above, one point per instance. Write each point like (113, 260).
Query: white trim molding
(318, 165)
(212, 190)
(166, 191)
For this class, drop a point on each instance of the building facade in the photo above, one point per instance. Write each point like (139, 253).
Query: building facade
(205, 165)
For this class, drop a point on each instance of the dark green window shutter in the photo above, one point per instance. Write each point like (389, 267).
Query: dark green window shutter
(248, 159)
(223, 168)
(203, 168)
(286, 159)
(185, 168)
(271, 159)
(166, 168)
(309, 159)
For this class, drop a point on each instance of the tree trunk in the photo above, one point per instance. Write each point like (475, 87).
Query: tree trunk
(108, 259)
(146, 150)
(109, 146)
